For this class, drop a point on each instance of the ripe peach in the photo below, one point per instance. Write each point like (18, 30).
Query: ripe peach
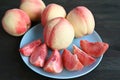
(58, 33)
(33, 8)
(16, 22)
(52, 11)
(82, 20)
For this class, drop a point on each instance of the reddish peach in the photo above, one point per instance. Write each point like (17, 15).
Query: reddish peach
(52, 11)
(82, 20)
(33, 8)
(58, 33)
(16, 22)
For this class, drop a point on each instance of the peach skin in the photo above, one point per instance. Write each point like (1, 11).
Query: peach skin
(52, 11)
(16, 22)
(58, 33)
(33, 8)
(82, 20)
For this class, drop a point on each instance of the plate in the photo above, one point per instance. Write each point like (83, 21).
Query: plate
(37, 32)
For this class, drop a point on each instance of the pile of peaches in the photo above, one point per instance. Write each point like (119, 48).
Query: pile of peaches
(60, 28)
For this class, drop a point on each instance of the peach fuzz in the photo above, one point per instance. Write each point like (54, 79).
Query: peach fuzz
(16, 22)
(52, 11)
(58, 33)
(82, 20)
(33, 8)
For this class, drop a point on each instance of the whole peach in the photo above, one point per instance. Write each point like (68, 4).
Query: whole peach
(82, 20)
(33, 8)
(16, 22)
(58, 33)
(52, 11)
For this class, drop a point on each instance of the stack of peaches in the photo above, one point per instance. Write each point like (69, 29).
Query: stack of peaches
(60, 29)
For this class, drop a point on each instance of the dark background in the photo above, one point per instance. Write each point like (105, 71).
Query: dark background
(107, 17)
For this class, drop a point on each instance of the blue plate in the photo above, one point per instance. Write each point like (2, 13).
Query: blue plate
(37, 32)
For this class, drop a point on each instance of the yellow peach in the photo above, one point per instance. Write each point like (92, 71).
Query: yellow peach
(16, 22)
(33, 8)
(52, 11)
(82, 20)
(58, 33)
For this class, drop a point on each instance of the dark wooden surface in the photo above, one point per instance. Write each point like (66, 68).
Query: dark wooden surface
(107, 17)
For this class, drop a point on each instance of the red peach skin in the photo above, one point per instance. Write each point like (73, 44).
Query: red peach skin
(16, 22)
(52, 11)
(33, 8)
(82, 20)
(58, 33)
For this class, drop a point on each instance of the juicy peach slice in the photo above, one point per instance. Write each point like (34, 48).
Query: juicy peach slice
(39, 55)
(27, 49)
(95, 49)
(54, 63)
(83, 57)
(71, 61)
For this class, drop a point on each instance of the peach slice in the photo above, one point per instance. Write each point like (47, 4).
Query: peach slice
(83, 57)
(82, 20)
(52, 11)
(71, 61)
(39, 55)
(54, 63)
(95, 49)
(58, 33)
(16, 22)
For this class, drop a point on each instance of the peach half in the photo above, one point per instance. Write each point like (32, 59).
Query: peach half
(16, 22)
(52, 11)
(82, 20)
(58, 33)
(33, 8)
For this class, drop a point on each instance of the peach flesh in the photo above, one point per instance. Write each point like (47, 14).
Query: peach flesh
(54, 63)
